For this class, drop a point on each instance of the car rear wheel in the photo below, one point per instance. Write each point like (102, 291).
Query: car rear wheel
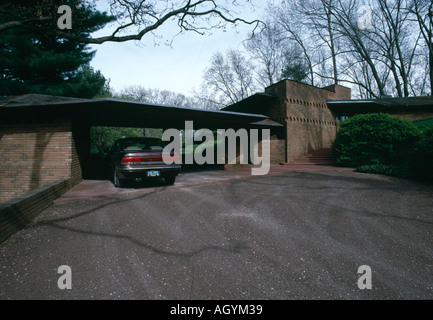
(118, 183)
(170, 180)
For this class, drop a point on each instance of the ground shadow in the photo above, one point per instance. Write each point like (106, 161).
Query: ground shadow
(99, 169)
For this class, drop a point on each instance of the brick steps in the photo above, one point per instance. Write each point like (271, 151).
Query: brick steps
(317, 157)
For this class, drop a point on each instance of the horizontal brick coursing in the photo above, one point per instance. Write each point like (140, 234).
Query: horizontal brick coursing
(18, 212)
(277, 154)
(412, 116)
(33, 154)
(278, 151)
(310, 125)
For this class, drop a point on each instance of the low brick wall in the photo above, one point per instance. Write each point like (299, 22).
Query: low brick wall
(277, 154)
(17, 213)
(278, 151)
(36, 153)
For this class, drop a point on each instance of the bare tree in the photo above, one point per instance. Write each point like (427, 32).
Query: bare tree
(398, 41)
(390, 45)
(229, 79)
(156, 96)
(270, 51)
(359, 40)
(384, 55)
(423, 12)
(135, 18)
(287, 16)
(318, 17)
(310, 24)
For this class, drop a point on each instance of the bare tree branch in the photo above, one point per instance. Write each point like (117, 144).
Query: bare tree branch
(145, 16)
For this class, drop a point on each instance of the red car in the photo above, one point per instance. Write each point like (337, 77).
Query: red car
(139, 159)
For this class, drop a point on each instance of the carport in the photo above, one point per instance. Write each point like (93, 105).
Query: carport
(51, 135)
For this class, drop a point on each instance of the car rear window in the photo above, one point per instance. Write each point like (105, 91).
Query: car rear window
(143, 144)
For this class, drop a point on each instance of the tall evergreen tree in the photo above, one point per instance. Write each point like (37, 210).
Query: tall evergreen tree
(32, 61)
(295, 71)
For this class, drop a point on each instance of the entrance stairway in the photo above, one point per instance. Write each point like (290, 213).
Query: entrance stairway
(321, 157)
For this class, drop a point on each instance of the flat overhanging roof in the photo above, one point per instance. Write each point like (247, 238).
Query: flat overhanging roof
(381, 105)
(123, 113)
(267, 123)
(259, 103)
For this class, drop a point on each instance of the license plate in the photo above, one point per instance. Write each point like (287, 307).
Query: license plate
(153, 173)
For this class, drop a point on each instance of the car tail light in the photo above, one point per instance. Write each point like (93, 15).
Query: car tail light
(151, 159)
(135, 160)
(172, 159)
(129, 160)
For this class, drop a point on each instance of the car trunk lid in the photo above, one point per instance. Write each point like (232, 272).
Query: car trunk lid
(138, 158)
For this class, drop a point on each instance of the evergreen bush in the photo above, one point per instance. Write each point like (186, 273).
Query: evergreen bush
(373, 139)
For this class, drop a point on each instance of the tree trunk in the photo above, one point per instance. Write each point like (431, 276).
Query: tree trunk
(431, 68)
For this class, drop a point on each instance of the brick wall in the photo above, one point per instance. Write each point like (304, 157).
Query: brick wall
(277, 151)
(277, 154)
(310, 124)
(18, 212)
(412, 116)
(36, 153)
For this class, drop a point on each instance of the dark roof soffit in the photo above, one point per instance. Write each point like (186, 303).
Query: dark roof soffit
(387, 102)
(255, 97)
(37, 100)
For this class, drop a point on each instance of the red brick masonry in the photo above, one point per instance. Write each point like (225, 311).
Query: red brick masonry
(35, 154)
(18, 212)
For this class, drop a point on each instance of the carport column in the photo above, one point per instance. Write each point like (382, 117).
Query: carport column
(81, 135)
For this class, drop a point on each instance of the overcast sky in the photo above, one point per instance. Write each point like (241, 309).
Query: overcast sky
(178, 68)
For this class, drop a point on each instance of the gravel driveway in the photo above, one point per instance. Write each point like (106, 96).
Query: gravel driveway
(289, 236)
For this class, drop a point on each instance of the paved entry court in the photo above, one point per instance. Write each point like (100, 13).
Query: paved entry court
(191, 177)
(293, 235)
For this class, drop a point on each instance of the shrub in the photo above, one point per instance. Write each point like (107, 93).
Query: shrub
(423, 160)
(372, 139)
(423, 124)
